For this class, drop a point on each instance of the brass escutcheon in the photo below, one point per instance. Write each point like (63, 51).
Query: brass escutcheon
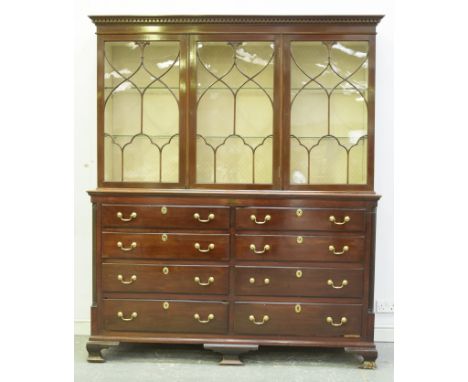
(164, 210)
(164, 237)
(298, 308)
(165, 270)
(165, 305)
(299, 240)
(299, 212)
(298, 273)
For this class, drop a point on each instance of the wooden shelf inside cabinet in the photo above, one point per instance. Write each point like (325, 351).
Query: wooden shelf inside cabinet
(235, 203)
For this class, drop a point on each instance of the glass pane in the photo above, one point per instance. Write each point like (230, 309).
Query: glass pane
(141, 112)
(235, 112)
(329, 82)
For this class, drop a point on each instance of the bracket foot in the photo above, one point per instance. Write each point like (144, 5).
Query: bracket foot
(230, 353)
(369, 355)
(94, 349)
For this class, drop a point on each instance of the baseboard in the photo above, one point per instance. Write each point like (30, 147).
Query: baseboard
(82, 328)
(381, 334)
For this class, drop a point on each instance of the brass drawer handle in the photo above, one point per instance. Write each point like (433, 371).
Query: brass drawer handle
(121, 279)
(265, 281)
(332, 249)
(126, 249)
(210, 218)
(132, 316)
(345, 220)
(264, 320)
(253, 248)
(133, 215)
(343, 321)
(197, 280)
(332, 284)
(254, 219)
(210, 247)
(210, 317)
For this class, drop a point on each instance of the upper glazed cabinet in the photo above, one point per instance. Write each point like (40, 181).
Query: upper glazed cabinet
(243, 111)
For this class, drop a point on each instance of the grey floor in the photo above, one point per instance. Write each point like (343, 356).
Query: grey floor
(145, 362)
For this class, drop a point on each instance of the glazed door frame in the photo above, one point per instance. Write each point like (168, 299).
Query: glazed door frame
(286, 112)
(277, 99)
(183, 101)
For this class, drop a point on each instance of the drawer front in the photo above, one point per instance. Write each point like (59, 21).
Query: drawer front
(117, 277)
(307, 282)
(165, 316)
(318, 320)
(177, 246)
(336, 220)
(300, 248)
(168, 216)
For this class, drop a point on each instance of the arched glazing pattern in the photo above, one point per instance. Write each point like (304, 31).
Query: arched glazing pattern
(329, 95)
(141, 111)
(234, 112)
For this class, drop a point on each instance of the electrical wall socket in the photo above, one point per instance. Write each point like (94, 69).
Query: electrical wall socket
(384, 307)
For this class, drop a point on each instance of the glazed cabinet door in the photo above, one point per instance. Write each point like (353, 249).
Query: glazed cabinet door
(329, 112)
(234, 107)
(142, 110)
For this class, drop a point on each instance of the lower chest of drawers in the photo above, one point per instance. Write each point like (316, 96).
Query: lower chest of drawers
(233, 271)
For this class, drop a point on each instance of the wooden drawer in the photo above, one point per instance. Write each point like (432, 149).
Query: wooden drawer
(297, 319)
(165, 316)
(301, 281)
(329, 248)
(118, 277)
(177, 246)
(168, 216)
(300, 219)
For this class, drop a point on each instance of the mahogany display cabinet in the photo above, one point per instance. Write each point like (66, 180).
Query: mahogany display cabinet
(235, 204)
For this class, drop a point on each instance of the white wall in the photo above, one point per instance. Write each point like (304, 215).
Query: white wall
(85, 123)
